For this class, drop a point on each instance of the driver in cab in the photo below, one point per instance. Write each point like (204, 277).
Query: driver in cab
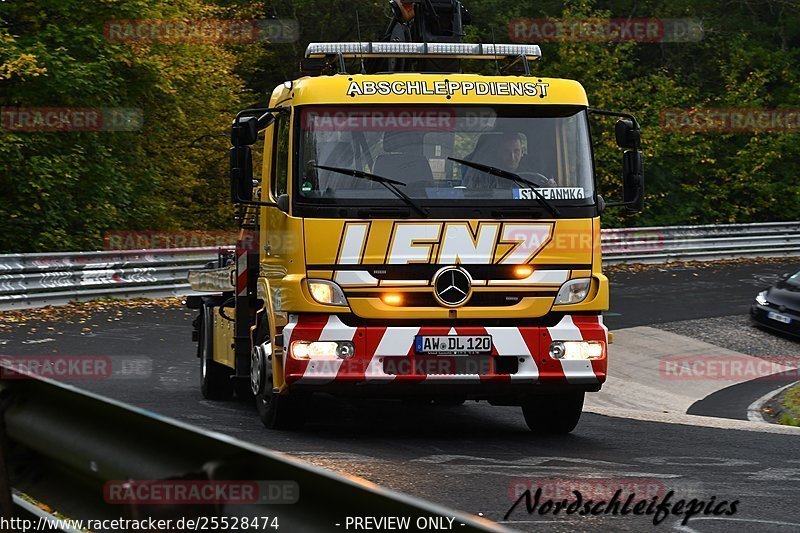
(500, 150)
(509, 151)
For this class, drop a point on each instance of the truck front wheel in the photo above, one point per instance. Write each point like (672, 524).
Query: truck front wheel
(553, 413)
(276, 411)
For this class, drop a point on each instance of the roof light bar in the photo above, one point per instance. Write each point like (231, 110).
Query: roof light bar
(449, 50)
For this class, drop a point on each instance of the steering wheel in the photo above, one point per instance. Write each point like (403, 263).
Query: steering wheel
(540, 179)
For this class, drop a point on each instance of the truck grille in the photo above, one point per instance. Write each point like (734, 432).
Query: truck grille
(478, 299)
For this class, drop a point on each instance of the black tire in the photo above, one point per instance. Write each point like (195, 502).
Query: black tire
(215, 379)
(553, 413)
(279, 411)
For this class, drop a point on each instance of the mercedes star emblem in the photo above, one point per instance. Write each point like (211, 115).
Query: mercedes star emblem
(452, 286)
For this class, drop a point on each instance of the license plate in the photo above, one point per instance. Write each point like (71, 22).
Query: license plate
(453, 344)
(779, 317)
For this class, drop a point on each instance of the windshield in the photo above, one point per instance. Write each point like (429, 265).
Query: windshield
(794, 279)
(547, 146)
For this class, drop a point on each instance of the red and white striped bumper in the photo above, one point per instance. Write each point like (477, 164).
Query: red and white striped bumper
(386, 354)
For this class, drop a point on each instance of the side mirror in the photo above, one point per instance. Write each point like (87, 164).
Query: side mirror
(633, 180)
(241, 173)
(628, 136)
(244, 131)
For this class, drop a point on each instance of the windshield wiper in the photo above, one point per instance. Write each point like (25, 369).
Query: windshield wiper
(513, 177)
(386, 182)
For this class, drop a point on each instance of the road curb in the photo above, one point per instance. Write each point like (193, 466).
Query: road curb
(693, 420)
(754, 413)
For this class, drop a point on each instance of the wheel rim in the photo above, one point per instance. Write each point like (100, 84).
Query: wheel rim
(263, 375)
(256, 369)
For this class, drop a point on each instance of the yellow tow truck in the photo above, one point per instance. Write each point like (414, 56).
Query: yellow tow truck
(416, 232)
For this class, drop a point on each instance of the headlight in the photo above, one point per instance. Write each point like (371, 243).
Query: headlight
(322, 350)
(573, 291)
(761, 298)
(326, 292)
(576, 350)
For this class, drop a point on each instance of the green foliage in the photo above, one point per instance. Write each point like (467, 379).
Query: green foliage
(787, 420)
(64, 190)
(747, 59)
(791, 405)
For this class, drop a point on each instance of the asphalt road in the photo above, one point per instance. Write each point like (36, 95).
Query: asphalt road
(667, 294)
(733, 402)
(476, 456)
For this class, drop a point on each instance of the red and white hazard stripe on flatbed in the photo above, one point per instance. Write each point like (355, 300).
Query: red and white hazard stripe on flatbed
(241, 271)
(378, 349)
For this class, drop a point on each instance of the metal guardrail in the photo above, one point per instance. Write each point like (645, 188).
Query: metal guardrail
(62, 446)
(29, 514)
(700, 243)
(37, 280)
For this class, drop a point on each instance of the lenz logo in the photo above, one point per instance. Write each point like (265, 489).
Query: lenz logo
(445, 243)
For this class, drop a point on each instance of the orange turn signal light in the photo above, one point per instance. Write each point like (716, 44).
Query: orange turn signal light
(392, 299)
(523, 271)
